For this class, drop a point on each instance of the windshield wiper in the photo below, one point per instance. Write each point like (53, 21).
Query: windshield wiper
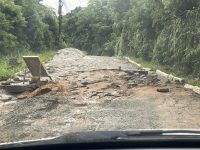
(164, 132)
(160, 134)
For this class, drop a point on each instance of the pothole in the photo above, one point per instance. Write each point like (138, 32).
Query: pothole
(97, 83)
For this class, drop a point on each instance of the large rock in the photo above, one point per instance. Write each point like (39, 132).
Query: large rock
(17, 78)
(18, 88)
(163, 90)
(8, 82)
(5, 98)
(5, 83)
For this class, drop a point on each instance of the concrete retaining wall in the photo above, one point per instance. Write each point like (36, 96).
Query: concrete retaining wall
(196, 89)
(133, 62)
(170, 77)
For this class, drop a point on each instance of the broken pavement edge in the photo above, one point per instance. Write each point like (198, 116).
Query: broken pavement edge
(170, 77)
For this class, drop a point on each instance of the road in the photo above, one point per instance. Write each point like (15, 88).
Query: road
(96, 93)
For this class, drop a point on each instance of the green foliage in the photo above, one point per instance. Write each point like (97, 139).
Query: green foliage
(26, 25)
(11, 21)
(42, 25)
(90, 29)
(165, 32)
(7, 72)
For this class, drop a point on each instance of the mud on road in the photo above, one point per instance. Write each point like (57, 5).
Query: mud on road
(93, 93)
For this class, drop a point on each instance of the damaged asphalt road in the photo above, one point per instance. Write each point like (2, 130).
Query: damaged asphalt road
(92, 93)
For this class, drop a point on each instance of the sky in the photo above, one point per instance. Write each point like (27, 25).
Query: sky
(68, 4)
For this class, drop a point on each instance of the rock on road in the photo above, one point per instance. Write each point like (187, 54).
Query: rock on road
(96, 93)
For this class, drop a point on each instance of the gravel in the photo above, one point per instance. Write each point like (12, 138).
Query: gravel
(92, 94)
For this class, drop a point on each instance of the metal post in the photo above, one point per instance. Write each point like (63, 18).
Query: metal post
(60, 22)
(24, 76)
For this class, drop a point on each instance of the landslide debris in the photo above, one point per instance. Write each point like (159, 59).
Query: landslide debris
(97, 83)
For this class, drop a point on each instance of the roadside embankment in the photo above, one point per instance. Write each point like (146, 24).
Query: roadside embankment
(170, 77)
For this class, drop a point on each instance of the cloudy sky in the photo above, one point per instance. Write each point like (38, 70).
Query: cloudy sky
(68, 4)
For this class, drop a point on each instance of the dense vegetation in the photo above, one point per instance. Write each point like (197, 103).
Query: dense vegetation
(26, 24)
(26, 28)
(166, 32)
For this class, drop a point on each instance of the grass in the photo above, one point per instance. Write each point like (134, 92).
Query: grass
(6, 72)
(147, 64)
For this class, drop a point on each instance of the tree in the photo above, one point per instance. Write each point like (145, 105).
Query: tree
(89, 29)
(12, 21)
(42, 25)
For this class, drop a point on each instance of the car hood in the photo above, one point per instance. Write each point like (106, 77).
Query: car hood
(109, 136)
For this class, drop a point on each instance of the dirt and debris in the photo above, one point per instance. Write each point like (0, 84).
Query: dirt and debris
(92, 93)
(163, 90)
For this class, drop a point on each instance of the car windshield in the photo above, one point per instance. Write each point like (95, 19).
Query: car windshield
(70, 66)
